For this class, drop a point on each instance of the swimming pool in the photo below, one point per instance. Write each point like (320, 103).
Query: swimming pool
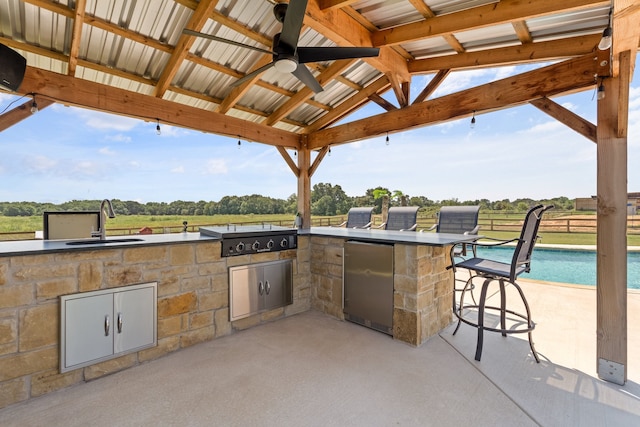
(566, 266)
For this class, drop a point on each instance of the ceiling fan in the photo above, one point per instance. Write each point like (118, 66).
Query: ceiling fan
(287, 56)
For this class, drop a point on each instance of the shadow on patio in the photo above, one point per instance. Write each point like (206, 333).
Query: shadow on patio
(313, 370)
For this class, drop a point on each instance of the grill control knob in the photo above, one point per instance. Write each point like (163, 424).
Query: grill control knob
(255, 246)
(270, 244)
(284, 243)
(240, 247)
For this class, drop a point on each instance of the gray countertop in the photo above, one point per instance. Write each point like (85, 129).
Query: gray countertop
(388, 236)
(34, 247)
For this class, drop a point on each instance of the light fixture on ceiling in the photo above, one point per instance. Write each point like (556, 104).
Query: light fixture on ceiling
(285, 64)
(473, 120)
(601, 92)
(158, 131)
(34, 104)
(605, 41)
(386, 141)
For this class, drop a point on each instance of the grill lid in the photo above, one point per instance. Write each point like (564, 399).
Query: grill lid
(233, 230)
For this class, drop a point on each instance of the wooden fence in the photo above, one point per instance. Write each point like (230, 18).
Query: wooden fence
(551, 224)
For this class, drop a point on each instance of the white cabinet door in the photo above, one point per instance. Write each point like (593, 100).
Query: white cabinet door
(89, 329)
(134, 320)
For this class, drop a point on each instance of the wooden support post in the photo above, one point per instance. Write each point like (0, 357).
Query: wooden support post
(304, 186)
(612, 229)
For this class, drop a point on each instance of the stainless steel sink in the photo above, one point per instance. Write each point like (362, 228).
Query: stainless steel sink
(103, 241)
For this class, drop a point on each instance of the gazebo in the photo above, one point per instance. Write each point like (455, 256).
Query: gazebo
(135, 59)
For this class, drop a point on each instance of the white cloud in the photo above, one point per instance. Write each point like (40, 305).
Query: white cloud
(119, 138)
(40, 163)
(106, 151)
(216, 167)
(179, 169)
(544, 127)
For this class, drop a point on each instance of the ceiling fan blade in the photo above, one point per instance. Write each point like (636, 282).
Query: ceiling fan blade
(220, 39)
(318, 54)
(304, 75)
(252, 74)
(293, 23)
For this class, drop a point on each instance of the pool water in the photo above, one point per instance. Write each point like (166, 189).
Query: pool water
(566, 266)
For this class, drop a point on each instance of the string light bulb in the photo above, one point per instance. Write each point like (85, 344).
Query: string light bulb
(239, 143)
(34, 104)
(606, 40)
(386, 141)
(158, 131)
(473, 120)
(329, 151)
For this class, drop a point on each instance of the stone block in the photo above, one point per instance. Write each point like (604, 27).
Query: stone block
(270, 315)
(36, 260)
(167, 285)
(178, 304)
(182, 255)
(8, 335)
(406, 326)
(405, 284)
(221, 320)
(89, 276)
(21, 364)
(196, 283)
(208, 252)
(110, 366)
(4, 268)
(16, 295)
(122, 275)
(212, 268)
(170, 326)
(200, 320)
(213, 300)
(39, 326)
(46, 382)
(53, 288)
(220, 282)
(245, 323)
(197, 336)
(27, 273)
(165, 346)
(147, 254)
(13, 392)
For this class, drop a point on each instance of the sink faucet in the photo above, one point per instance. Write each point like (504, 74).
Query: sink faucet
(106, 208)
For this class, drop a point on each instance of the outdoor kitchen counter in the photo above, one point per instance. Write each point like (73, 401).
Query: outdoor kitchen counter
(35, 247)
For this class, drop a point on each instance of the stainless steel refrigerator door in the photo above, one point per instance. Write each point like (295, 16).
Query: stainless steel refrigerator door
(368, 285)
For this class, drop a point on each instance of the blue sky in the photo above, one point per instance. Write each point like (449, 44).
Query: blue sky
(65, 153)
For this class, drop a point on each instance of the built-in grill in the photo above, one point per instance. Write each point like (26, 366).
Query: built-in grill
(252, 239)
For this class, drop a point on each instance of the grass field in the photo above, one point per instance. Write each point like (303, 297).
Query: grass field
(129, 224)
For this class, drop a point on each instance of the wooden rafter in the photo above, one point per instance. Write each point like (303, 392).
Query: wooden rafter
(76, 36)
(568, 117)
(21, 112)
(504, 11)
(196, 22)
(434, 83)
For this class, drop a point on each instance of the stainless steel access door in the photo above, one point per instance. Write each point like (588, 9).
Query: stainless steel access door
(368, 285)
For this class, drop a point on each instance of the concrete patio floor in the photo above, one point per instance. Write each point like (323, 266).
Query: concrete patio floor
(314, 370)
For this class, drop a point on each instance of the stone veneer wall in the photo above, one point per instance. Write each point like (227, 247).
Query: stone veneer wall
(193, 305)
(423, 287)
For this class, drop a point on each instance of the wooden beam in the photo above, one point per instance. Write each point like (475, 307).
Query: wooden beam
(83, 93)
(428, 13)
(531, 52)
(334, 4)
(611, 256)
(304, 187)
(238, 92)
(316, 162)
(568, 117)
(548, 81)
(289, 161)
(626, 32)
(196, 22)
(382, 102)
(435, 82)
(76, 36)
(339, 27)
(502, 12)
(21, 112)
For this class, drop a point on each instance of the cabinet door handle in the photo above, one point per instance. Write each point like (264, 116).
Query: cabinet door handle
(119, 323)
(267, 287)
(261, 287)
(107, 325)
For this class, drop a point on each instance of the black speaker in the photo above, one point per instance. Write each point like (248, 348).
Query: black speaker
(12, 68)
